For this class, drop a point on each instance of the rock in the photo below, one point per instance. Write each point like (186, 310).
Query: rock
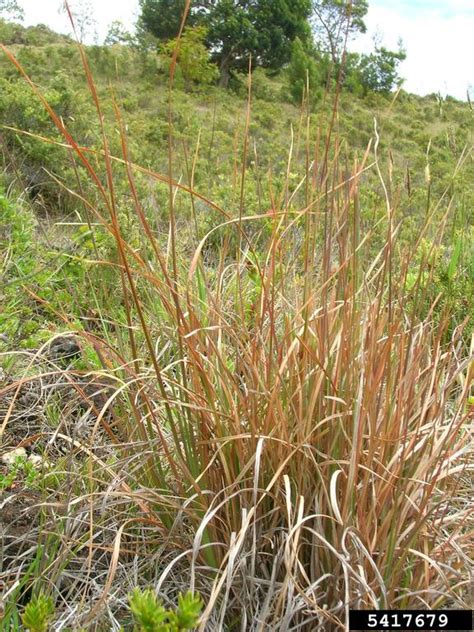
(39, 461)
(29, 398)
(9, 458)
(63, 348)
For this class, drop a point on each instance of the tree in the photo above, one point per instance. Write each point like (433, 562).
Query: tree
(379, 70)
(193, 57)
(303, 74)
(117, 34)
(82, 12)
(261, 29)
(352, 77)
(162, 18)
(237, 29)
(10, 9)
(332, 19)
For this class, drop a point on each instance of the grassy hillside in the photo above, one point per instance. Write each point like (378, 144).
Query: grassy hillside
(235, 347)
(407, 124)
(424, 146)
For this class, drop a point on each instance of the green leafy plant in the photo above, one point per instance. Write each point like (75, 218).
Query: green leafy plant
(151, 616)
(23, 469)
(303, 75)
(379, 70)
(194, 61)
(38, 613)
(263, 29)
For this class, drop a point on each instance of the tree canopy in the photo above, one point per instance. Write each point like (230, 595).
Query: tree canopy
(310, 35)
(117, 34)
(12, 10)
(332, 19)
(379, 70)
(303, 74)
(236, 29)
(163, 18)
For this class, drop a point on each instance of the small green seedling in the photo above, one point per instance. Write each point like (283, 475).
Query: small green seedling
(21, 467)
(38, 614)
(151, 616)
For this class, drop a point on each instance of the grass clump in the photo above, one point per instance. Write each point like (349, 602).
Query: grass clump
(285, 429)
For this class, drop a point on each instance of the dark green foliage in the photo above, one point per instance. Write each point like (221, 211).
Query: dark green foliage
(193, 58)
(236, 29)
(352, 81)
(379, 70)
(376, 72)
(303, 73)
(263, 29)
(162, 18)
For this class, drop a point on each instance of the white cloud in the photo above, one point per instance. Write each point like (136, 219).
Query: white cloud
(104, 12)
(438, 40)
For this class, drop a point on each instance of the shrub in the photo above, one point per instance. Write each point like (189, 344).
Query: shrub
(379, 70)
(151, 616)
(303, 74)
(38, 614)
(193, 57)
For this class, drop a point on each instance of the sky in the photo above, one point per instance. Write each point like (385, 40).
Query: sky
(438, 36)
